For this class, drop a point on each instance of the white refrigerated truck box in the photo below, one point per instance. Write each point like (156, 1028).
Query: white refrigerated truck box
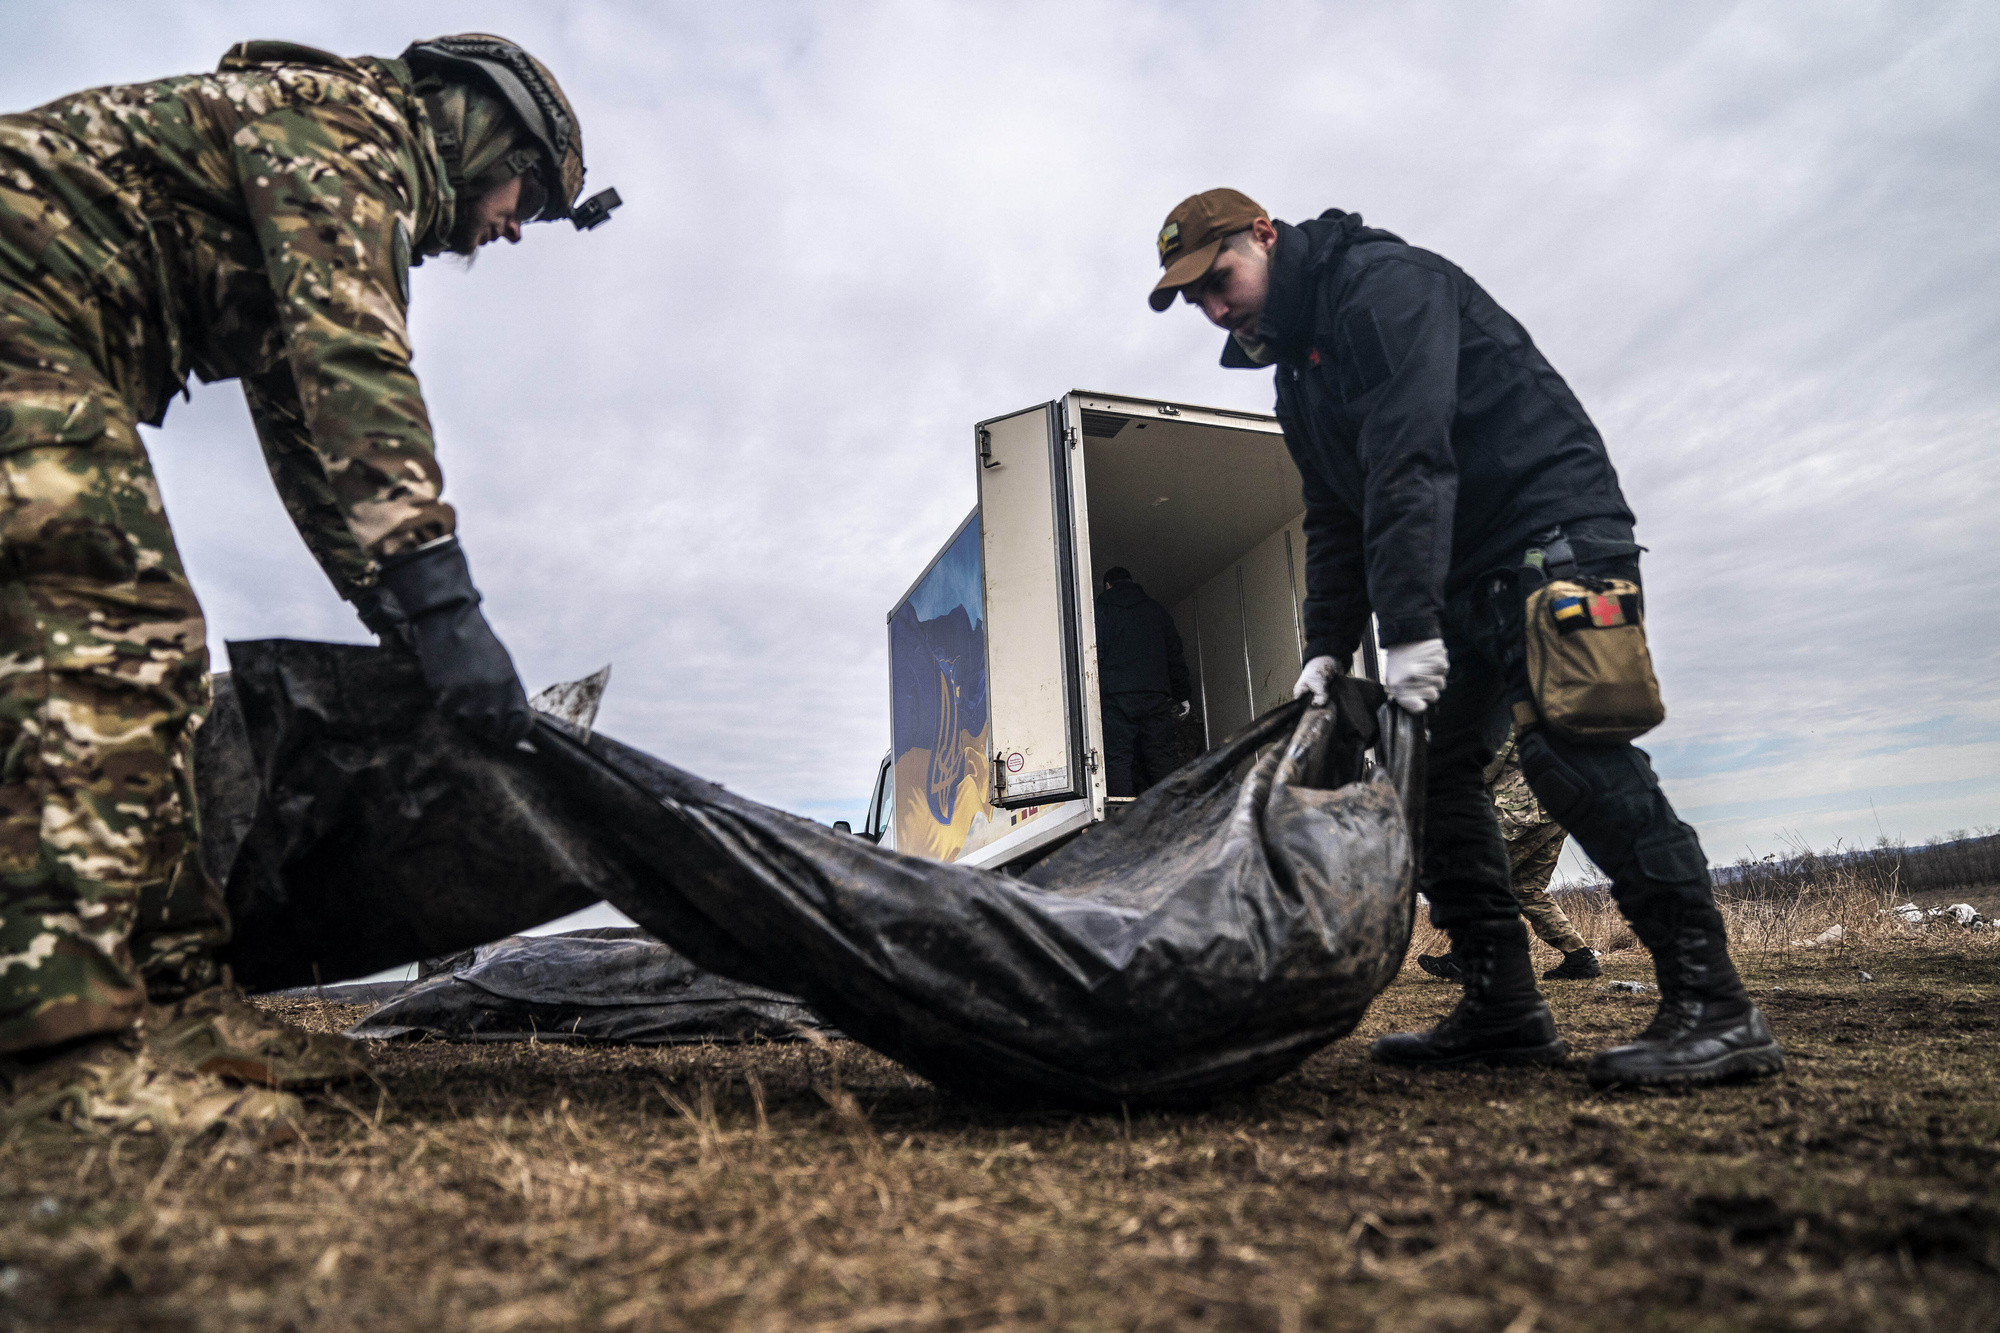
(996, 734)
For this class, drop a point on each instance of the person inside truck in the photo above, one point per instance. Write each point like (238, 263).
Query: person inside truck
(1142, 676)
(1455, 487)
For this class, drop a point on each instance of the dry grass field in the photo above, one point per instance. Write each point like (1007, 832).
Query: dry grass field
(818, 1186)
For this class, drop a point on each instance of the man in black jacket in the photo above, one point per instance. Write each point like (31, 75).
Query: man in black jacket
(1448, 471)
(1143, 681)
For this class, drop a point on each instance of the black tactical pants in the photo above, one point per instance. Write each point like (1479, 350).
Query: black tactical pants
(1605, 795)
(1138, 742)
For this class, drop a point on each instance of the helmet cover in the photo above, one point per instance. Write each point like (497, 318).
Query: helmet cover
(530, 92)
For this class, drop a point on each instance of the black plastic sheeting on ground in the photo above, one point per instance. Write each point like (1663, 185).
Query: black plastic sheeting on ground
(587, 985)
(1212, 938)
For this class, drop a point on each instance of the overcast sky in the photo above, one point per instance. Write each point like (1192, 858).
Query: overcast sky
(711, 442)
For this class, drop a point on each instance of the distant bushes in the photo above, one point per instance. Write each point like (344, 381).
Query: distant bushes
(1787, 900)
(1957, 860)
(1960, 859)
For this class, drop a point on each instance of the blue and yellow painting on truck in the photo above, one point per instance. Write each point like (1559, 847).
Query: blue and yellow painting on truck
(938, 710)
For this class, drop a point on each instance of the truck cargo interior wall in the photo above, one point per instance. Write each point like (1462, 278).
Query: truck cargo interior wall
(1208, 519)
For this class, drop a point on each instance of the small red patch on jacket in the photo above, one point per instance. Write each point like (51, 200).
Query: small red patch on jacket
(1312, 356)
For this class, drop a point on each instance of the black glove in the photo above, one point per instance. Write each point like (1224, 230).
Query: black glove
(461, 658)
(384, 619)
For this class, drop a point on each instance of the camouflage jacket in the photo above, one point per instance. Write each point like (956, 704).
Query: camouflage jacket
(258, 222)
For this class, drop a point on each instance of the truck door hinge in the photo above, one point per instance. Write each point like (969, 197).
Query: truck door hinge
(1070, 433)
(1090, 761)
(986, 448)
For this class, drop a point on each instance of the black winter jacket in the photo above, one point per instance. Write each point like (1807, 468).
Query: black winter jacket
(1138, 648)
(1434, 439)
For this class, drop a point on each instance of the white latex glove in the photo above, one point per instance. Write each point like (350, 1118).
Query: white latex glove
(1185, 707)
(1315, 679)
(1415, 673)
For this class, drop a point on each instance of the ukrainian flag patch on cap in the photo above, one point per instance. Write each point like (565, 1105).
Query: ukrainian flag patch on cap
(1170, 239)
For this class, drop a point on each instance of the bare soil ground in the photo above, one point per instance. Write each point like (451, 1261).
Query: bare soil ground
(821, 1187)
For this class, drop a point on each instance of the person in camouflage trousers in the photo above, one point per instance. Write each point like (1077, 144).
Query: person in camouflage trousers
(256, 223)
(1534, 845)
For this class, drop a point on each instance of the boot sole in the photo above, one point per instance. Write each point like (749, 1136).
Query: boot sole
(1755, 1062)
(1550, 1053)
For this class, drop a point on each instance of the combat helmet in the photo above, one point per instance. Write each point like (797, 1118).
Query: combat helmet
(532, 93)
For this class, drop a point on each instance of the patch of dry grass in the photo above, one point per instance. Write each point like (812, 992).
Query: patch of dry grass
(818, 1186)
(1778, 925)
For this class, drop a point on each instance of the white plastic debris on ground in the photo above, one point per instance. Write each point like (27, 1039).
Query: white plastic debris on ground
(1624, 988)
(1963, 915)
(1833, 934)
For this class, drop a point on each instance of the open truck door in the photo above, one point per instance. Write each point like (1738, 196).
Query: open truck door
(1036, 634)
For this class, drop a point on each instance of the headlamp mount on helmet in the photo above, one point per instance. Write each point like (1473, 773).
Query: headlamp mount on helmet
(595, 210)
(530, 91)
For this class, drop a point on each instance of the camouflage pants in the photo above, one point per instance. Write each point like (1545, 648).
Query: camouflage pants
(1533, 856)
(1534, 845)
(103, 677)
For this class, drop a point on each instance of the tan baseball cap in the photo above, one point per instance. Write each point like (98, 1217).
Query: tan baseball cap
(1193, 235)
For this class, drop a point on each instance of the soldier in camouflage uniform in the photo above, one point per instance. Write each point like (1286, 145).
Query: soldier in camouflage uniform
(1534, 845)
(257, 223)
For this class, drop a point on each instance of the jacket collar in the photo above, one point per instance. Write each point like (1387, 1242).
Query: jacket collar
(1286, 324)
(1301, 255)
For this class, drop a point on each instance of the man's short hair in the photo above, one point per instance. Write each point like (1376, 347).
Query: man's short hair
(1117, 574)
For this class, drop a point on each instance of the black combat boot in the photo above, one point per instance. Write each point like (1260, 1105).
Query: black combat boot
(1577, 965)
(1706, 1030)
(1500, 1020)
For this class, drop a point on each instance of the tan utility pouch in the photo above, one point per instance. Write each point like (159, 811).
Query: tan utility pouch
(1588, 667)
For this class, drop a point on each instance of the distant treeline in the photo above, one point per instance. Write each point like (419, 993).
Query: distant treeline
(1957, 860)
(1960, 859)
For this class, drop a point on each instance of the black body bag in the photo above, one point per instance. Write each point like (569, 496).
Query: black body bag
(1240, 916)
